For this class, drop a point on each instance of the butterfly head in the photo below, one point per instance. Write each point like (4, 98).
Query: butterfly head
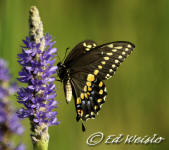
(61, 70)
(59, 65)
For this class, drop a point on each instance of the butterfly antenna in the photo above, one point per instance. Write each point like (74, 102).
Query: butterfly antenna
(66, 52)
(58, 57)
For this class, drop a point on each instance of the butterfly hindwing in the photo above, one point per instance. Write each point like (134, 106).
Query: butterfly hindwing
(88, 99)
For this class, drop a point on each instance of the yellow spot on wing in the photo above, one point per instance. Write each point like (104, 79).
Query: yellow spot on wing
(106, 58)
(103, 62)
(126, 49)
(119, 47)
(120, 57)
(80, 112)
(84, 44)
(110, 45)
(109, 54)
(82, 95)
(108, 76)
(87, 49)
(88, 83)
(100, 84)
(87, 115)
(114, 50)
(113, 65)
(96, 72)
(90, 77)
(89, 46)
(94, 44)
(86, 95)
(116, 61)
(110, 70)
(78, 101)
(89, 89)
(95, 107)
(101, 92)
(92, 113)
(99, 66)
(129, 46)
(99, 100)
(85, 88)
(123, 53)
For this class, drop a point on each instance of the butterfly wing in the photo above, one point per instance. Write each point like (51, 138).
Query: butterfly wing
(78, 51)
(88, 98)
(89, 69)
(103, 60)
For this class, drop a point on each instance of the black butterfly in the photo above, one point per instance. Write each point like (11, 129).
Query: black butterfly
(84, 70)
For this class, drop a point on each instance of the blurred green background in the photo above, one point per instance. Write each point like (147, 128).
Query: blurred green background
(137, 101)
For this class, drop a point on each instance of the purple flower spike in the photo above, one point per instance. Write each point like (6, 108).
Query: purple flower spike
(20, 147)
(38, 72)
(9, 122)
(4, 72)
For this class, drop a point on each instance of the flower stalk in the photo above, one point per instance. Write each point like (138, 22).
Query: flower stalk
(36, 36)
(38, 72)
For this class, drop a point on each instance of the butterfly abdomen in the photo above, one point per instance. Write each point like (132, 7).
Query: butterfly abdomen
(65, 78)
(68, 91)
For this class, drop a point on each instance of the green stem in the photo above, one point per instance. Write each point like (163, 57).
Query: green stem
(40, 137)
(41, 145)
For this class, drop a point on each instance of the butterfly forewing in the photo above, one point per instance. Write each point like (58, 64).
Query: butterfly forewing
(88, 65)
(78, 51)
(103, 60)
(113, 54)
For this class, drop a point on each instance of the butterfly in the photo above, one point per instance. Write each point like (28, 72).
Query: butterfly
(84, 70)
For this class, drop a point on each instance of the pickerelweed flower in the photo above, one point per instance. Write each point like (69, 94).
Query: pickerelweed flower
(9, 122)
(38, 72)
